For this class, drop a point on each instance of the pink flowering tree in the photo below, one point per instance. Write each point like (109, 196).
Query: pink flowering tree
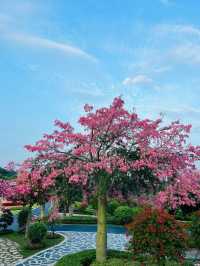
(185, 190)
(115, 145)
(34, 184)
(4, 186)
(7, 189)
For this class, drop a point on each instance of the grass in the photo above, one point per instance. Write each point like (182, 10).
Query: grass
(87, 257)
(114, 258)
(124, 262)
(116, 262)
(24, 250)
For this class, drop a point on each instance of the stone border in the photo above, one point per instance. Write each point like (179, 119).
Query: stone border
(46, 249)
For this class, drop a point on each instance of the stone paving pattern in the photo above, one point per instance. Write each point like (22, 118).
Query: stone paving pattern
(9, 253)
(74, 242)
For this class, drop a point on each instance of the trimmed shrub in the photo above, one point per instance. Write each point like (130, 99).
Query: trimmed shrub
(195, 229)
(89, 210)
(123, 214)
(6, 219)
(112, 206)
(22, 217)
(158, 234)
(83, 208)
(179, 215)
(37, 232)
(78, 259)
(136, 211)
(79, 220)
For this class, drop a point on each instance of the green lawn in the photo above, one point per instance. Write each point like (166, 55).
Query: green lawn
(115, 258)
(24, 250)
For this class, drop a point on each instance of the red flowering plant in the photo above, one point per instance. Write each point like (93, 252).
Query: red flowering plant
(156, 234)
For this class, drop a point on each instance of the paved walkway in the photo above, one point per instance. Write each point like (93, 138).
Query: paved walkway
(9, 253)
(74, 242)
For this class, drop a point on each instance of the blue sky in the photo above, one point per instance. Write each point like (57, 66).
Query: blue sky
(57, 55)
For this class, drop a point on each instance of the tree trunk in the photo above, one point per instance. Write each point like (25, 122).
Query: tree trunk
(101, 240)
(42, 211)
(65, 209)
(28, 221)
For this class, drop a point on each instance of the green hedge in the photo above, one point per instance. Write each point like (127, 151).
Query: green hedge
(85, 258)
(86, 220)
(123, 214)
(79, 220)
(112, 206)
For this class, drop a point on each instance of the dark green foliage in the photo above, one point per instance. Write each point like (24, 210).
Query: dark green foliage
(114, 258)
(136, 211)
(146, 182)
(82, 208)
(89, 210)
(184, 212)
(179, 214)
(124, 262)
(93, 201)
(123, 214)
(79, 220)
(85, 258)
(87, 220)
(67, 192)
(6, 219)
(22, 217)
(195, 229)
(116, 262)
(112, 206)
(37, 232)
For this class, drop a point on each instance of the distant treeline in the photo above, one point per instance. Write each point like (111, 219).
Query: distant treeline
(7, 175)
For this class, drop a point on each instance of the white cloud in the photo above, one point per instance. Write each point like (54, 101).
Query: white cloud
(177, 29)
(187, 42)
(38, 42)
(188, 53)
(170, 44)
(137, 80)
